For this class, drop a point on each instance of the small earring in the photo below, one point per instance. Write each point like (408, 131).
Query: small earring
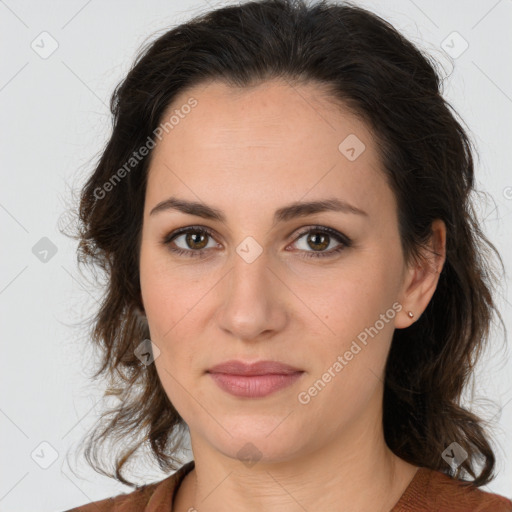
(411, 314)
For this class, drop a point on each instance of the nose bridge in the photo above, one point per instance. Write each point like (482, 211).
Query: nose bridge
(248, 281)
(249, 268)
(251, 303)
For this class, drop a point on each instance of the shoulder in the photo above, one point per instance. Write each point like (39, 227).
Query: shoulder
(145, 498)
(132, 502)
(435, 491)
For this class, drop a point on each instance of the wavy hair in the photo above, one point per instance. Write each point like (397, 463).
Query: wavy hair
(426, 155)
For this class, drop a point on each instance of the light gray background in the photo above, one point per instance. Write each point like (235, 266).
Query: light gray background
(55, 119)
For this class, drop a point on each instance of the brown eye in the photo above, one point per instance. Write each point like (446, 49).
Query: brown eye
(196, 240)
(320, 238)
(191, 241)
(318, 241)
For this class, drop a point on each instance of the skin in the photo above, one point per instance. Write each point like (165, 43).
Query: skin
(249, 152)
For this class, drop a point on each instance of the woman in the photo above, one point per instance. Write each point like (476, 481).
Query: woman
(295, 274)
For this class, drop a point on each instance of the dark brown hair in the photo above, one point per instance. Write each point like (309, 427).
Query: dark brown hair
(369, 67)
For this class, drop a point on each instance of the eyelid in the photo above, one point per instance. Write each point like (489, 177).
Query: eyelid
(324, 229)
(184, 230)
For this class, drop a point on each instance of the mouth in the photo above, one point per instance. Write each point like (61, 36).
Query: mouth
(234, 367)
(256, 380)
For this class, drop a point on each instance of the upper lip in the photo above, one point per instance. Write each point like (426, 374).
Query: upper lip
(234, 367)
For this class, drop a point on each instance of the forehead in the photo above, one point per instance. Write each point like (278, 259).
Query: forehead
(258, 142)
(274, 110)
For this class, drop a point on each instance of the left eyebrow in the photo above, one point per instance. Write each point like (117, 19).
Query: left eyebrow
(284, 214)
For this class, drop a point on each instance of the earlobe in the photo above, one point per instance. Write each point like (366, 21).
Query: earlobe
(421, 283)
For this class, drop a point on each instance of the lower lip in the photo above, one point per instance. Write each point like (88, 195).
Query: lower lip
(254, 386)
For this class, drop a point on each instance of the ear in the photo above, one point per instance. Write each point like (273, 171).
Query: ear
(421, 277)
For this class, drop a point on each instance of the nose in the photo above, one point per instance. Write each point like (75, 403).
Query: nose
(253, 299)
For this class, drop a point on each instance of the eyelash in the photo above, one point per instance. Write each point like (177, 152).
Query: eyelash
(339, 237)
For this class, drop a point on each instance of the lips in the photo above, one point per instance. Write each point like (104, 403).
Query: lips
(234, 367)
(254, 380)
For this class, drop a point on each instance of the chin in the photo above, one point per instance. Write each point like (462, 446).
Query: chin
(266, 444)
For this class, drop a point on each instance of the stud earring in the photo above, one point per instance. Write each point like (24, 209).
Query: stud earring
(411, 314)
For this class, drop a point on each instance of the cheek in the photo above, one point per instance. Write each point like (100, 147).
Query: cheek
(345, 300)
(166, 304)
(348, 364)
(355, 310)
(169, 303)
(167, 295)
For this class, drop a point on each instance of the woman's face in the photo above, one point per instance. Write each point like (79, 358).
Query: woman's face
(270, 286)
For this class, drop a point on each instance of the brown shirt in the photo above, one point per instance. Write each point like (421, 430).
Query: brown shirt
(428, 491)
